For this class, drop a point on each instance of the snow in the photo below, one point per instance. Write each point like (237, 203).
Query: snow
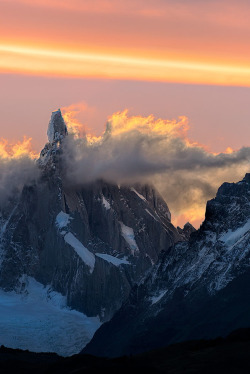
(231, 237)
(137, 193)
(87, 257)
(113, 260)
(105, 203)
(128, 234)
(151, 214)
(155, 299)
(38, 319)
(62, 220)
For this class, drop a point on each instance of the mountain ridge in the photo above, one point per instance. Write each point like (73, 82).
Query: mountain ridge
(175, 301)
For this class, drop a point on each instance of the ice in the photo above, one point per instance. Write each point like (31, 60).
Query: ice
(137, 193)
(113, 260)
(83, 252)
(231, 237)
(62, 220)
(155, 299)
(128, 234)
(39, 320)
(105, 203)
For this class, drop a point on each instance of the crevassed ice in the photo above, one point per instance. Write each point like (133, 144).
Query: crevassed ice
(113, 260)
(39, 320)
(87, 256)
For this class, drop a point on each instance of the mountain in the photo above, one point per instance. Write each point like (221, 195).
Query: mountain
(197, 289)
(74, 249)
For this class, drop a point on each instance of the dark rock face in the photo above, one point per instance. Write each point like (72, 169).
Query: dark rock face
(187, 230)
(90, 243)
(198, 289)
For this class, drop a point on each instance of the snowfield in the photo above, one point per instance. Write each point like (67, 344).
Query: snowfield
(38, 320)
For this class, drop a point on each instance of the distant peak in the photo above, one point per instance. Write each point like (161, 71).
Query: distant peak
(188, 225)
(247, 178)
(57, 129)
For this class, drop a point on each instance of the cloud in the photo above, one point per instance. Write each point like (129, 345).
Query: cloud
(133, 149)
(149, 150)
(17, 168)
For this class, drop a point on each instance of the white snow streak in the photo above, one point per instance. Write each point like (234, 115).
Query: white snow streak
(113, 260)
(82, 251)
(138, 194)
(151, 215)
(155, 299)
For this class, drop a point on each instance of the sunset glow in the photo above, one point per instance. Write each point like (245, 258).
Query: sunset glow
(15, 150)
(181, 68)
(65, 63)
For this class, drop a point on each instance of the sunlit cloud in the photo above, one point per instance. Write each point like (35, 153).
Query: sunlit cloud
(15, 150)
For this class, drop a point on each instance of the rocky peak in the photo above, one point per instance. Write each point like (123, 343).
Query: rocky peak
(187, 230)
(57, 131)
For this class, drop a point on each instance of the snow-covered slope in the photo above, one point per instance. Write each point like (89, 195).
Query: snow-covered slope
(189, 293)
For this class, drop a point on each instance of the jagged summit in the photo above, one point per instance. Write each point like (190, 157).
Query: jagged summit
(57, 129)
(186, 231)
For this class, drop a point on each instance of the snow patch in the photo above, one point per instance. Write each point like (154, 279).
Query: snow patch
(113, 260)
(231, 237)
(87, 257)
(62, 220)
(128, 234)
(155, 299)
(39, 320)
(105, 203)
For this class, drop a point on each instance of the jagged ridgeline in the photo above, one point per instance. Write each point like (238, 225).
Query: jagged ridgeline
(199, 289)
(88, 243)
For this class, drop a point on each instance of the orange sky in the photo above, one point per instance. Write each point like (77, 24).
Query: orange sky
(168, 58)
(172, 41)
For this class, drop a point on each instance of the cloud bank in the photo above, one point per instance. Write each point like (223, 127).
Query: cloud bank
(133, 149)
(149, 150)
(17, 167)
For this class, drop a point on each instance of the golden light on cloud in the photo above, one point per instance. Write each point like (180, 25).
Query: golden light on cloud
(30, 60)
(10, 150)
